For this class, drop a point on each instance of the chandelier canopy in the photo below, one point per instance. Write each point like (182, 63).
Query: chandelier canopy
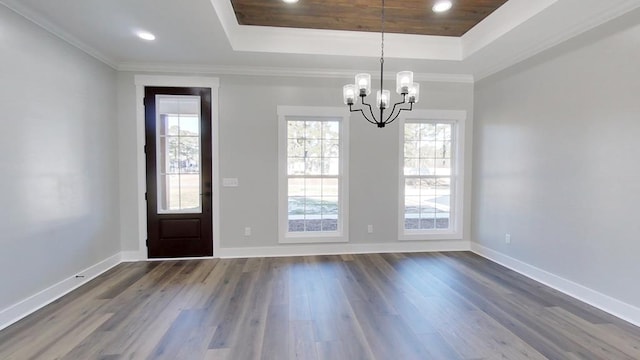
(405, 87)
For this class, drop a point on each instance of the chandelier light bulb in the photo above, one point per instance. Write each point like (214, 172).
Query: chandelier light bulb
(349, 94)
(404, 80)
(363, 83)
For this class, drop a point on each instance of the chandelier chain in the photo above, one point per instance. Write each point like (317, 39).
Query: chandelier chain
(382, 44)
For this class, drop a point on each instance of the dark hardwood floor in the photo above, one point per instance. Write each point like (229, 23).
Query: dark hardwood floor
(383, 306)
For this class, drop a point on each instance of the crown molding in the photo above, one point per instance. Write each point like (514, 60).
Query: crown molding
(39, 20)
(590, 22)
(279, 72)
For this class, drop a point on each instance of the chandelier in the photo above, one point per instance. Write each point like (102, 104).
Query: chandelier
(405, 87)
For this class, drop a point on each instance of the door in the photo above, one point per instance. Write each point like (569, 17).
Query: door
(179, 161)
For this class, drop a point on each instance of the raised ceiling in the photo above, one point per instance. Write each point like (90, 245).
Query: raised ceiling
(402, 16)
(204, 37)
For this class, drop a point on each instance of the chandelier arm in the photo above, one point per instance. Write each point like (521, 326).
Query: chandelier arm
(362, 112)
(393, 110)
(398, 114)
(370, 110)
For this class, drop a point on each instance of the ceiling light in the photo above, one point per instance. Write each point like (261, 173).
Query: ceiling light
(405, 86)
(442, 6)
(144, 35)
(290, 1)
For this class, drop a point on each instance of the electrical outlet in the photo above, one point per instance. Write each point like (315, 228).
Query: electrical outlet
(370, 229)
(247, 231)
(507, 238)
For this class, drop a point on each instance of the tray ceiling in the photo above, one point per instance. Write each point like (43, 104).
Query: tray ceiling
(402, 16)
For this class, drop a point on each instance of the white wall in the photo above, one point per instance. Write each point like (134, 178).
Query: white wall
(556, 160)
(248, 151)
(58, 160)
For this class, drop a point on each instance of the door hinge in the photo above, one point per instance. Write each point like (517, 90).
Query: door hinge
(145, 149)
(145, 196)
(147, 242)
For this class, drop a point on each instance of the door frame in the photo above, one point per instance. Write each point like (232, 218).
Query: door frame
(141, 81)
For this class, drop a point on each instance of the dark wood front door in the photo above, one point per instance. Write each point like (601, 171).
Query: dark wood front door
(179, 161)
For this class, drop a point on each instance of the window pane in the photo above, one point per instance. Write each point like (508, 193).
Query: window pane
(330, 206)
(411, 132)
(313, 148)
(427, 166)
(329, 225)
(331, 166)
(313, 166)
(330, 148)
(295, 166)
(296, 207)
(330, 130)
(296, 187)
(330, 187)
(295, 148)
(295, 130)
(427, 150)
(189, 152)
(313, 129)
(313, 187)
(411, 166)
(189, 192)
(427, 132)
(443, 131)
(189, 125)
(412, 149)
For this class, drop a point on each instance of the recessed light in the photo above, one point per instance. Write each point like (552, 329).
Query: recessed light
(442, 6)
(290, 1)
(144, 35)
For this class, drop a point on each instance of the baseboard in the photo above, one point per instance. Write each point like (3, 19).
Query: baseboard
(341, 248)
(594, 298)
(132, 256)
(31, 304)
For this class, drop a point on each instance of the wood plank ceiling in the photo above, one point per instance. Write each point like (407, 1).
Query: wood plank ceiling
(402, 16)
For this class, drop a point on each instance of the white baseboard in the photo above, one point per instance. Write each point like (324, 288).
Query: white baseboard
(132, 256)
(594, 298)
(341, 248)
(31, 304)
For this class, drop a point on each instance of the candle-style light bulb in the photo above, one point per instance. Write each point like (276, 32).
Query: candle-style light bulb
(404, 79)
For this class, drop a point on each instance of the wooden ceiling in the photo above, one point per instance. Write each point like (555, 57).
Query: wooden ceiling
(402, 16)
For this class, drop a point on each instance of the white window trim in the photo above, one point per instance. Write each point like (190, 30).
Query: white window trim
(458, 117)
(342, 235)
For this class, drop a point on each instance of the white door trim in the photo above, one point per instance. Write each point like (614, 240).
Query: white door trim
(174, 81)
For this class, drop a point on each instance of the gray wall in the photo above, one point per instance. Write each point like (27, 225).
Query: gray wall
(249, 152)
(556, 160)
(58, 160)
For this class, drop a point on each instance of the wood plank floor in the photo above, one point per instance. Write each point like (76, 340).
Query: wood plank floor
(382, 306)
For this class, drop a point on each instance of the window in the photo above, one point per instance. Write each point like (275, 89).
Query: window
(431, 175)
(313, 174)
(178, 154)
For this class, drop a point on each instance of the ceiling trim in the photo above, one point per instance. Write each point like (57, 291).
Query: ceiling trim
(359, 43)
(589, 20)
(272, 71)
(39, 20)
(507, 17)
(332, 42)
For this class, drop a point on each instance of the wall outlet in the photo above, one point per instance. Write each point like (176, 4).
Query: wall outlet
(247, 231)
(507, 238)
(370, 229)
